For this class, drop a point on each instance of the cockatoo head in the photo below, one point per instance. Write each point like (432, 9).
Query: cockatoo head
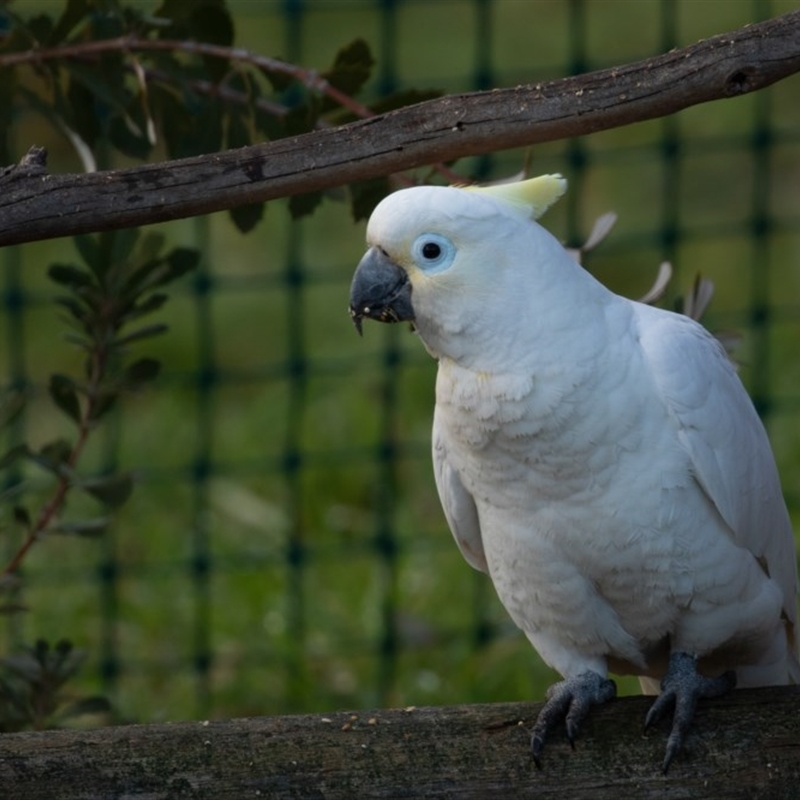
(449, 259)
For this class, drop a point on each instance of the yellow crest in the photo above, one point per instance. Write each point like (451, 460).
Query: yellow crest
(534, 195)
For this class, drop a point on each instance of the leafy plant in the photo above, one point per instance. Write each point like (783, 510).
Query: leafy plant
(32, 688)
(106, 301)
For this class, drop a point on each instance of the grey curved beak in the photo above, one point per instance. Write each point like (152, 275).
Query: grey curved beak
(380, 290)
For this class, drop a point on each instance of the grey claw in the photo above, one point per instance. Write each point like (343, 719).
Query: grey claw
(569, 700)
(537, 745)
(682, 687)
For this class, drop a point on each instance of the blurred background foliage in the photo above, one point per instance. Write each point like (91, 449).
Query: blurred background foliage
(283, 548)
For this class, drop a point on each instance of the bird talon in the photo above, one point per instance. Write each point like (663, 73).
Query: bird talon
(537, 745)
(571, 740)
(682, 687)
(659, 708)
(674, 745)
(569, 700)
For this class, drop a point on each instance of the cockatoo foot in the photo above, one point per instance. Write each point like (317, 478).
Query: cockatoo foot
(569, 700)
(682, 687)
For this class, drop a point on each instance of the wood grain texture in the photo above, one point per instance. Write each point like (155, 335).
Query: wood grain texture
(744, 746)
(35, 205)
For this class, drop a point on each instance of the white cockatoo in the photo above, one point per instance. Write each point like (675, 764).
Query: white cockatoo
(597, 457)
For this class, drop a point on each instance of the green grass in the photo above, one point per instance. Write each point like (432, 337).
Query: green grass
(312, 635)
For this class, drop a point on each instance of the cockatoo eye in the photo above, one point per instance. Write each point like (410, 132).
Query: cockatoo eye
(432, 252)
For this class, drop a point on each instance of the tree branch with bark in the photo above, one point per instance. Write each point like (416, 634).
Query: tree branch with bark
(36, 205)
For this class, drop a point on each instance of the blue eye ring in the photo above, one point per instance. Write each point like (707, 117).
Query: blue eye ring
(433, 252)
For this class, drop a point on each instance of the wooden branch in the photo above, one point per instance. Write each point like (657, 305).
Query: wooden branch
(39, 206)
(743, 746)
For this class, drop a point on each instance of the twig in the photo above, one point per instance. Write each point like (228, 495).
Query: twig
(223, 92)
(308, 77)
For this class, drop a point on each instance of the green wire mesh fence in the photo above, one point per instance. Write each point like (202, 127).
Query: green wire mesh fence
(284, 549)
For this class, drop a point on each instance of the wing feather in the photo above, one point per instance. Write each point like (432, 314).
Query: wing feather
(726, 441)
(459, 507)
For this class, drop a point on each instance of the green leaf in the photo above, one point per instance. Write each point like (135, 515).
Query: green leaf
(106, 22)
(238, 132)
(80, 341)
(150, 245)
(89, 248)
(64, 647)
(90, 528)
(11, 407)
(365, 195)
(169, 105)
(41, 27)
(351, 69)
(64, 395)
(16, 453)
(161, 271)
(26, 665)
(103, 251)
(16, 36)
(301, 205)
(128, 132)
(80, 312)
(406, 97)
(8, 86)
(212, 23)
(62, 661)
(302, 118)
(280, 80)
(22, 517)
(142, 333)
(142, 277)
(246, 83)
(101, 404)
(246, 217)
(10, 493)
(88, 705)
(12, 608)
(77, 107)
(73, 14)
(111, 490)
(153, 303)
(69, 276)
(142, 371)
(175, 10)
(119, 245)
(270, 123)
(10, 582)
(181, 260)
(195, 122)
(53, 455)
